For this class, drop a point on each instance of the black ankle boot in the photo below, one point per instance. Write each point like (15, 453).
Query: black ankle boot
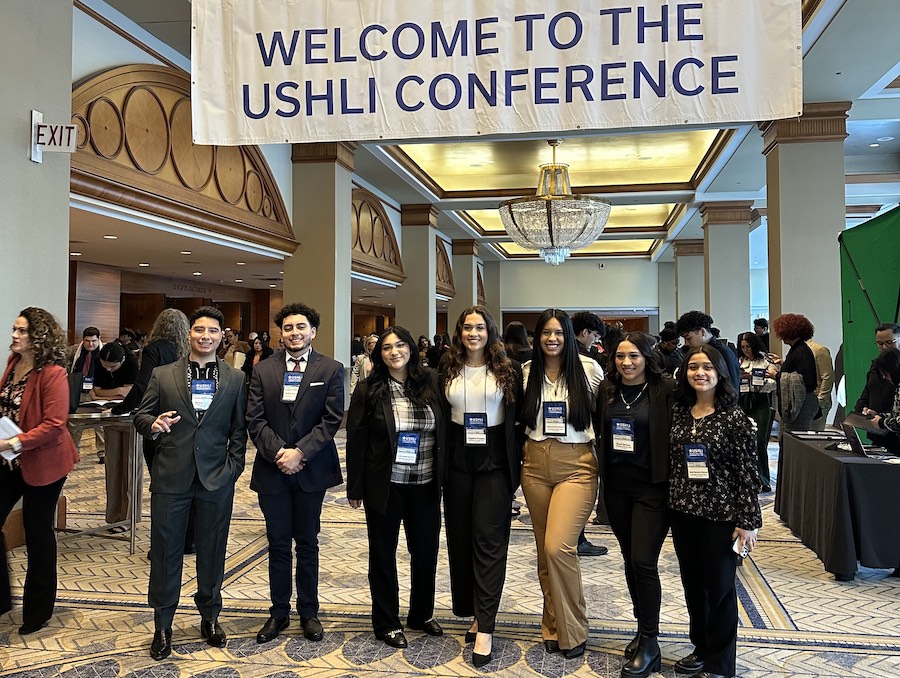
(632, 646)
(646, 659)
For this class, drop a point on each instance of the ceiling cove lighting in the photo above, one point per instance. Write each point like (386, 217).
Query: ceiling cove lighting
(554, 221)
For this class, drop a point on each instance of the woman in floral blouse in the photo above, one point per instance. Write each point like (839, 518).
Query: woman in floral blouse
(713, 506)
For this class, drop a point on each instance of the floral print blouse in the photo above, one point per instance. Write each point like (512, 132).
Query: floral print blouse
(730, 494)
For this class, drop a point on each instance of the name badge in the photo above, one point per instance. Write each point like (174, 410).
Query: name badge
(407, 447)
(623, 435)
(291, 386)
(87, 383)
(555, 418)
(758, 376)
(696, 457)
(476, 428)
(745, 384)
(202, 392)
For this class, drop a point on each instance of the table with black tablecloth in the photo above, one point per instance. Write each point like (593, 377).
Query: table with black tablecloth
(844, 507)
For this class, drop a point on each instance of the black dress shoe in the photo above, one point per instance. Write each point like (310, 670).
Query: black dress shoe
(393, 638)
(551, 646)
(586, 548)
(161, 647)
(575, 652)
(632, 647)
(312, 628)
(31, 627)
(690, 665)
(212, 633)
(707, 674)
(271, 629)
(431, 627)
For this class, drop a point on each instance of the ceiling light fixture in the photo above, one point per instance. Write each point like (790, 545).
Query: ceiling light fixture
(74, 254)
(143, 264)
(197, 273)
(110, 237)
(185, 252)
(271, 284)
(885, 139)
(554, 221)
(242, 263)
(239, 280)
(874, 145)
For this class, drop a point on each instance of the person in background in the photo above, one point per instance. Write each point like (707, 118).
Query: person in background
(824, 382)
(258, 351)
(515, 340)
(755, 399)
(559, 474)
(635, 414)
(395, 464)
(888, 366)
(878, 393)
(266, 338)
(356, 348)
(362, 368)
(483, 388)
(761, 330)
(233, 350)
(713, 506)
(436, 352)
(695, 327)
(84, 361)
(423, 345)
(667, 349)
(34, 394)
(798, 404)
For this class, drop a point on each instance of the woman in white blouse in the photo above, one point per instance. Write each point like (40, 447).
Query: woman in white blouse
(559, 474)
(483, 387)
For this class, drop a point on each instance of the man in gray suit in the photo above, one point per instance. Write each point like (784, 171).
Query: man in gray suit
(195, 410)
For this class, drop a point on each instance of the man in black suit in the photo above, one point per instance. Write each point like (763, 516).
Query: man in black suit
(295, 407)
(195, 410)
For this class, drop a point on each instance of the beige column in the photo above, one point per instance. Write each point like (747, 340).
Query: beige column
(319, 272)
(689, 271)
(465, 279)
(666, 290)
(36, 53)
(492, 292)
(726, 246)
(416, 304)
(805, 213)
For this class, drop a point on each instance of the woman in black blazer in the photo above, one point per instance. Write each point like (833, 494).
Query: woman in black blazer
(395, 461)
(635, 415)
(482, 386)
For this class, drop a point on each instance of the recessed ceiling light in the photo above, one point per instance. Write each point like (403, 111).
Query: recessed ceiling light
(281, 272)
(197, 273)
(110, 237)
(242, 263)
(74, 254)
(185, 252)
(143, 264)
(365, 289)
(874, 145)
(271, 284)
(239, 280)
(885, 139)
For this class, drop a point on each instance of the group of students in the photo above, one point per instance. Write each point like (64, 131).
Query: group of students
(675, 454)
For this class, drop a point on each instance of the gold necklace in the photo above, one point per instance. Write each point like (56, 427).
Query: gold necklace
(626, 403)
(698, 421)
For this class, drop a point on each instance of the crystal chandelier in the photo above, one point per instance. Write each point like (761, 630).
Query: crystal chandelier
(554, 221)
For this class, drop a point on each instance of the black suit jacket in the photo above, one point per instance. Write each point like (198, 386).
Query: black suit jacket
(212, 448)
(662, 400)
(372, 441)
(309, 423)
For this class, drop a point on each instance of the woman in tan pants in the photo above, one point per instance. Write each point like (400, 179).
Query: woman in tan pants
(559, 475)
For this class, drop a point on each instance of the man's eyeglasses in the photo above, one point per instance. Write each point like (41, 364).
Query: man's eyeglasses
(888, 343)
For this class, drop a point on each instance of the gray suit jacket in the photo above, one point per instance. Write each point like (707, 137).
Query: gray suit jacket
(212, 448)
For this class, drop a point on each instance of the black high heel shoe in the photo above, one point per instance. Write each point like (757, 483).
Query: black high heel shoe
(481, 659)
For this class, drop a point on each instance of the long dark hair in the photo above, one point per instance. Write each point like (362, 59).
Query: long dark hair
(653, 369)
(685, 394)
(756, 345)
(417, 386)
(888, 362)
(579, 405)
(498, 362)
(516, 338)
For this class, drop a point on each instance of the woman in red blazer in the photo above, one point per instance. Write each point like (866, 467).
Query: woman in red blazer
(34, 394)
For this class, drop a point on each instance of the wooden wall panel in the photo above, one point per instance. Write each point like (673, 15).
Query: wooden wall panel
(139, 311)
(97, 294)
(141, 283)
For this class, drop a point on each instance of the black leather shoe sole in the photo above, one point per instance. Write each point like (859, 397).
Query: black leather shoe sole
(271, 629)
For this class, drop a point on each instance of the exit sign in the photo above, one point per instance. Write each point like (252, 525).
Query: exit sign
(51, 138)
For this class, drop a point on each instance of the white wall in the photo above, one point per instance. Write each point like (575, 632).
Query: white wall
(575, 285)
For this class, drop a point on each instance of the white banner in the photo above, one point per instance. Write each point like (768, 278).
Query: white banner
(275, 71)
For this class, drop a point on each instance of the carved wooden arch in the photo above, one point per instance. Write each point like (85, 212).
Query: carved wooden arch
(444, 271)
(135, 149)
(479, 281)
(373, 242)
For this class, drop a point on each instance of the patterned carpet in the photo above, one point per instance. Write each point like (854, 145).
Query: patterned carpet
(796, 620)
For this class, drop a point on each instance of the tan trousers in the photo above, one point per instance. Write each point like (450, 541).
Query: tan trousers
(559, 481)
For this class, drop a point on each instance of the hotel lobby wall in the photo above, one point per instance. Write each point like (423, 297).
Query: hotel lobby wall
(36, 53)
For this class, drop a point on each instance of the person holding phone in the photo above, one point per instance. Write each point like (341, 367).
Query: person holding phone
(713, 505)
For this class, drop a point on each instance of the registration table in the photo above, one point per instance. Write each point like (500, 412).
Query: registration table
(134, 471)
(843, 506)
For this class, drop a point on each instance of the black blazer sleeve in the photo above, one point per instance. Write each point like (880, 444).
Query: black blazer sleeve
(156, 353)
(357, 441)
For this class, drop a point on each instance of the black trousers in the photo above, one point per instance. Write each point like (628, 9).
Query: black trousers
(418, 507)
(38, 509)
(640, 520)
(476, 513)
(168, 524)
(708, 568)
(293, 518)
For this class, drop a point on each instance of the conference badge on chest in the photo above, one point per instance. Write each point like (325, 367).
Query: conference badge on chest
(202, 392)
(291, 386)
(476, 428)
(555, 418)
(407, 447)
(623, 434)
(695, 454)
